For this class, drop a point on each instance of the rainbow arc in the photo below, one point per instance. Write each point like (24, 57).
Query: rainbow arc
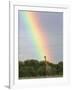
(35, 29)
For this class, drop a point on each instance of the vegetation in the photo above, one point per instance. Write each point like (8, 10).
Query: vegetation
(34, 68)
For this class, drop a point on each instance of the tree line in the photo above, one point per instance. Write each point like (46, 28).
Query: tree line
(35, 68)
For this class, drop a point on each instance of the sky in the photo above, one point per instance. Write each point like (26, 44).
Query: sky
(50, 44)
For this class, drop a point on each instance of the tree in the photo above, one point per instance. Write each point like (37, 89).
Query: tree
(60, 68)
(35, 68)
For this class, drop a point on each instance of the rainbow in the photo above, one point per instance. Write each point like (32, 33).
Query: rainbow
(36, 30)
